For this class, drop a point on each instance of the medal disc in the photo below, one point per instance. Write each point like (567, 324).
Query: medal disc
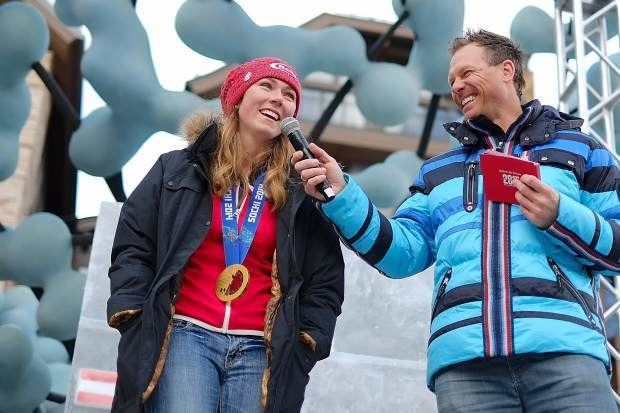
(232, 282)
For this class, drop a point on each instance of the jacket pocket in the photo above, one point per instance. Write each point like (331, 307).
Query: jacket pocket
(441, 291)
(306, 338)
(470, 187)
(305, 354)
(123, 307)
(565, 283)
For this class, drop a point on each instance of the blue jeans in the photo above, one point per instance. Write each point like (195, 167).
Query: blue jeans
(544, 383)
(209, 372)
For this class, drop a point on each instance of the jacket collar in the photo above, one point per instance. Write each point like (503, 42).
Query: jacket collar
(543, 122)
(205, 144)
(202, 149)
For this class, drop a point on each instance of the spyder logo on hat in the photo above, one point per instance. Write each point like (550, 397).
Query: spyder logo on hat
(283, 67)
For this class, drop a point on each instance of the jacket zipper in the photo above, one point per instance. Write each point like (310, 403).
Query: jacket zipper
(597, 304)
(599, 313)
(441, 291)
(564, 282)
(471, 188)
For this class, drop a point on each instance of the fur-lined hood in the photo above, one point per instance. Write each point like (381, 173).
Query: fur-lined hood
(196, 123)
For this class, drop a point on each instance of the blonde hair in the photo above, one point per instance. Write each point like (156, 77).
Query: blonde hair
(227, 164)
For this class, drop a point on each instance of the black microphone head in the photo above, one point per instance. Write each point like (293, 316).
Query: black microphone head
(288, 125)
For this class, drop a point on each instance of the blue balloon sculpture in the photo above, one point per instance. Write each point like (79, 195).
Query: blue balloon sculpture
(534, 30)
(32, 365)
(24, 38)
(205, 26)
(403, 96)
(386, 183)
(38, 254)
(25, 381)
(435, 24)
(137, 105)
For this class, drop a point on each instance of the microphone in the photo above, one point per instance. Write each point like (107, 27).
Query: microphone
(290, 127)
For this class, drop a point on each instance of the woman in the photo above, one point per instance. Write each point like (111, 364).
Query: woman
(226, 283)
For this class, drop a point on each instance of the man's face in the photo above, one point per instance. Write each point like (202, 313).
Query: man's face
(477, 87)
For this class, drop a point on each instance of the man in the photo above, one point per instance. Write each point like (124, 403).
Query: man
(516, 322)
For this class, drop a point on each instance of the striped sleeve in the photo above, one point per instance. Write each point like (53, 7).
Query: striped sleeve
(590, 227)
(397, 247)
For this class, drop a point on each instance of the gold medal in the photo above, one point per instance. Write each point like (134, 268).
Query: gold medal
(232, 282)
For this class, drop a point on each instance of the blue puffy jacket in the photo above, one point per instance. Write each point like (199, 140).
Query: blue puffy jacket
(502, 286)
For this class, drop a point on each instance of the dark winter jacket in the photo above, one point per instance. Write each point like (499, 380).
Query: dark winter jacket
(161, 224)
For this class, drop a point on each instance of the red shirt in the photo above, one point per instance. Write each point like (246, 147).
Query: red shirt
(197, 301)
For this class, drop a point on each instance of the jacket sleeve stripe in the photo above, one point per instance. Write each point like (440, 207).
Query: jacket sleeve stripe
(458, 228)
(418, 185)
(577, 136)
(601, 179)
(577, 245)
(364, 226)
(444, 174)
(611, 213)
(382, 243)
(436, 164)
(450, 208)
(597, 232)
(598, 158)
(422, 220)
(567, 145)
(614, 254)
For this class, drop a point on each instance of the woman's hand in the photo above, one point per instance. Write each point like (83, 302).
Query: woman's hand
(314, 171)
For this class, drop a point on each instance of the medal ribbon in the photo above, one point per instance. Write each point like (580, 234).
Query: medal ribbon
(237, 243)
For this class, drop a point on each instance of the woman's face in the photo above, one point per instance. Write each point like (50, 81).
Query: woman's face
(263, 106)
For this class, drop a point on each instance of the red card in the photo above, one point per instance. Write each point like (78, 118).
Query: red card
(499, 171)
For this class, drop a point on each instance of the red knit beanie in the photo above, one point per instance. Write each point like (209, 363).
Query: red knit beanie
(241, 77)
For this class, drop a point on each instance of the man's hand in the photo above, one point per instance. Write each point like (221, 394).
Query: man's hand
(538, 201)
(315, 171)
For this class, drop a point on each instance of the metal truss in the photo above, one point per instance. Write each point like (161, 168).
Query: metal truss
(584, 43)
(588, 32)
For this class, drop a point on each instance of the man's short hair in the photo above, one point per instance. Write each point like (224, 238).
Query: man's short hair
(498, 48)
